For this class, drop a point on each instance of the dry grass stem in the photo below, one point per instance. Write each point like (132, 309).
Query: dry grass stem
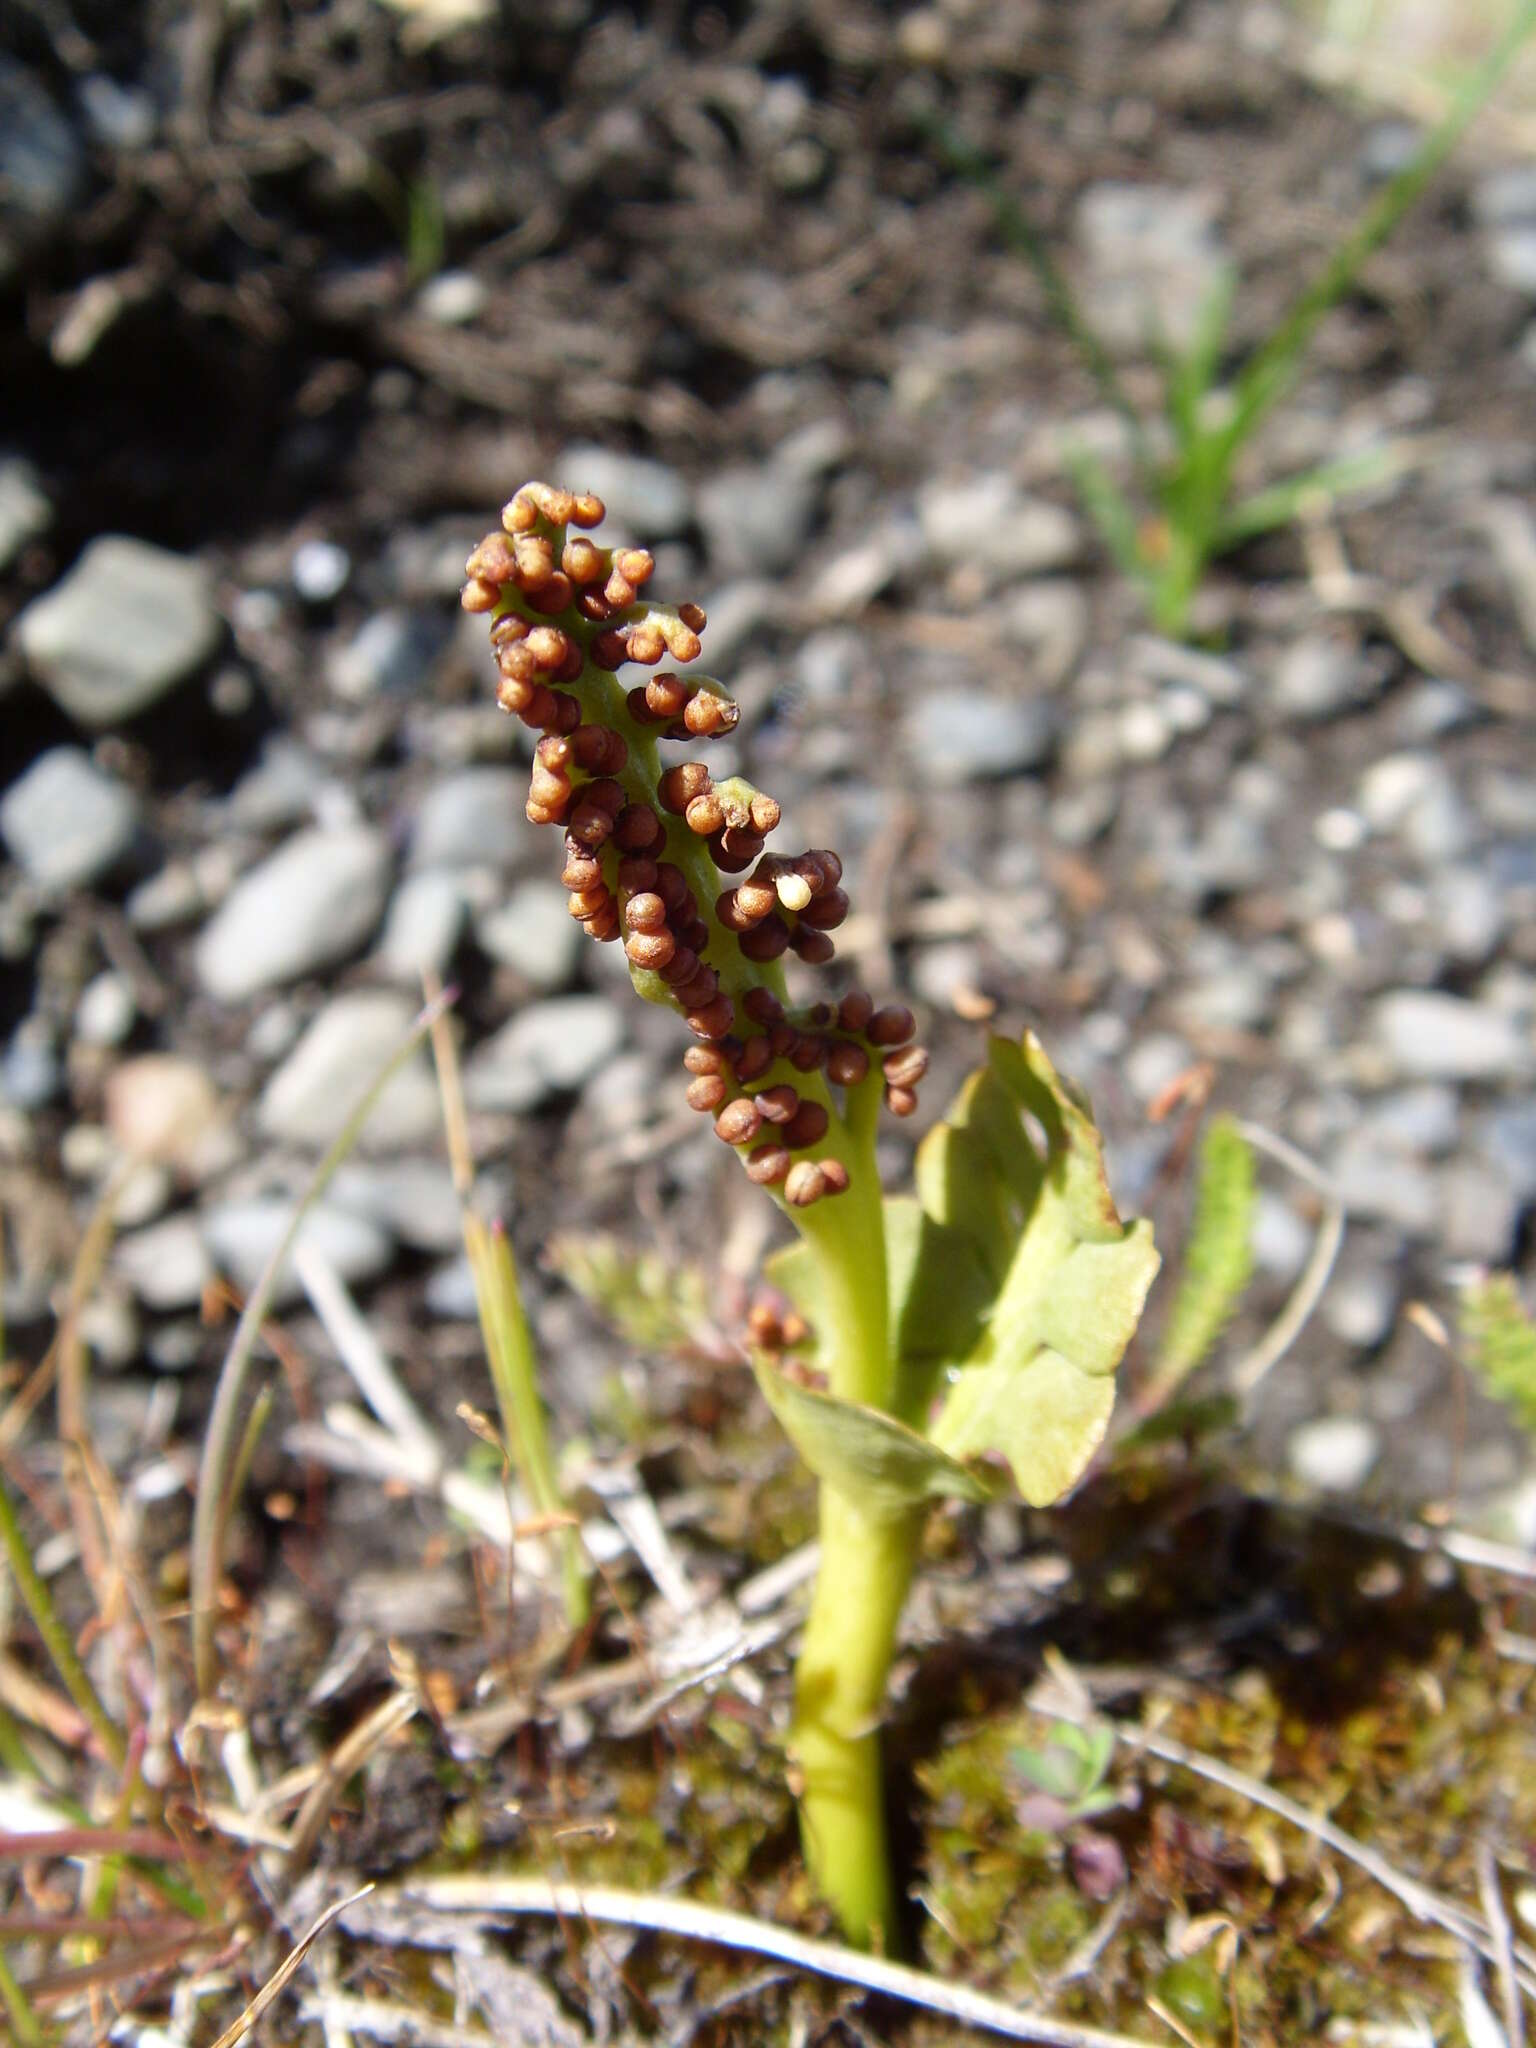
(1250, 1371)
(285, 1970)
(521, 1896)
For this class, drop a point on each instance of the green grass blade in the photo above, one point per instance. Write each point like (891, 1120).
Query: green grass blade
(56, 1638)
(23, 2020)
(219, 1445)
(1110, 510)
(1019, 231)
(514, 1373)
(1217, 1259)
(1191, 375)
(1278, 505)
(1271, 368)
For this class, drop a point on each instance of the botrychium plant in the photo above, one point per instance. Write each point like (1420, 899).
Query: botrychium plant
(1182, 509)
(971, 1328)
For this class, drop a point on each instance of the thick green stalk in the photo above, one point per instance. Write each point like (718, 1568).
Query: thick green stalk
(840, 1685)
(866, 1570)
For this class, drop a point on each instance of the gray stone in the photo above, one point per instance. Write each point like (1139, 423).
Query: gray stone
(738, 614)
(313, 902)
(322, 1081)
(454, 298)
(391, 653)
(955, 735)
(1281, 1241)
(1229, 855)
(545, 1050)
(30, 1073)
(67, 823)
(1436, 1036)
(1155, 1059)
(1430, 709)
(121, 116)
(827, 665)
(110, 1327)
(1511, 253)
(1048, 620)
(1424, 1119)
(848, 582)
(42, 166)
(242, 1235)
(985, 521)
(1395, 786)
(1378, 1181)
(942, 972)
(646, 500)
(106, 1011)
(1482, 1209)
(167, 1265)
(1144, 731)
(757, 517)
(1221, 682)
(281, 790)
(1508, 1140)
(1320, 676)
(1334, 1453)
(1360, 1306)
(1238, 997)
(319, 570)
(1468, 914)
(1506, 195)
(25, 511)
(1153, 260)
(450, 1291)
(414, 1199)
(127, 624)
(422, 929)
(533, 933)
(473, 818)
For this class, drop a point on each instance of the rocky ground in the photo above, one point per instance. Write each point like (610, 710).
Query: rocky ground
(292, 299)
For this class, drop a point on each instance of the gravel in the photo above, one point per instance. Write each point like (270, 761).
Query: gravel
(316, 1089)
(1435, 1036)
(548, 1049)
(242, 1235)
(164, 627)
(961, 735)
(533, 933)
(313, 902)
(1334, 1453)
(472, 819)
(66, 822)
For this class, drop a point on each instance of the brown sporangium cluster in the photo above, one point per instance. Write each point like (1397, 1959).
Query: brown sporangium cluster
(652, 852)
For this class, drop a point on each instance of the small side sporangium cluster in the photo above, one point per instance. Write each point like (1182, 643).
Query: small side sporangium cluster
(649, 850)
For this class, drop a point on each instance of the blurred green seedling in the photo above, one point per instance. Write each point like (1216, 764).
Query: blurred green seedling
(1181, 509)
(1070, 1768)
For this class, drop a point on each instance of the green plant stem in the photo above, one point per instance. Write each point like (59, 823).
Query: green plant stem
(56, 1638)
(28, 2033)
(840, 1686)
(514, 1373)
(866, 1567)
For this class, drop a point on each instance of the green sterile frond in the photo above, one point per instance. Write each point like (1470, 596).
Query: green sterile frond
(1037, 1386)
(1218, 1258)
(654, 1303)
(873, 1460)
(1500, 1340)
